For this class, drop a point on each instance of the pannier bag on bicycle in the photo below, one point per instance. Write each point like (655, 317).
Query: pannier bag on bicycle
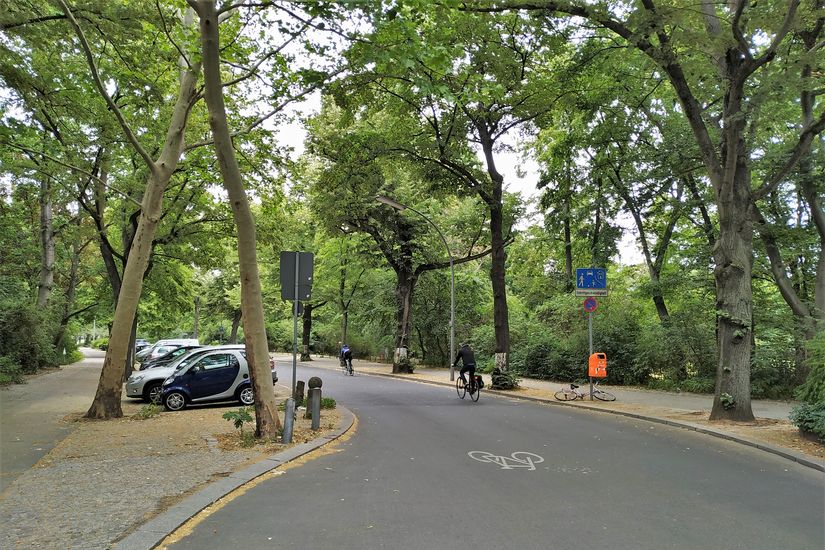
(479, 382)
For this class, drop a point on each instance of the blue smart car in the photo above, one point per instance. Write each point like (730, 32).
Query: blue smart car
(218, 375)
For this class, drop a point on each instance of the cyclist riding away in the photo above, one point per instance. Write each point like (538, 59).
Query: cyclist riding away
(468, 360)
(346, 358)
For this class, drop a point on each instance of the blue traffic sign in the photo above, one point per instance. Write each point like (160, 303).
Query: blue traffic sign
(591, 277)
(590, 305)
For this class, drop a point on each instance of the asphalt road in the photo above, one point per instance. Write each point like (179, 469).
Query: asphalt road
(425, 470)
(31, 414)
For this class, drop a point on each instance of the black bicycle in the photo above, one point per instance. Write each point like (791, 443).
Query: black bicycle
(462, 388)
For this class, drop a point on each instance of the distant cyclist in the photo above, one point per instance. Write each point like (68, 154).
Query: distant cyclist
(468, 361)
(346, 358)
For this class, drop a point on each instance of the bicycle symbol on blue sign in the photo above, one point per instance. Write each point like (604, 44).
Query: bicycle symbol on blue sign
(518, 459)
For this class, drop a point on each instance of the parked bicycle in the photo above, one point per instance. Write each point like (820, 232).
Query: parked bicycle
(462, 387)
(572, 392)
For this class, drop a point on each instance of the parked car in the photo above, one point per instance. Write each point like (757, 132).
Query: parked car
(146, 384)
(149, 352)
(141, 344)
(217, 375)
(166, 358)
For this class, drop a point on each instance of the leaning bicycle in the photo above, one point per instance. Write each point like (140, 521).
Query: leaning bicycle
(462, 387)
(572, 392)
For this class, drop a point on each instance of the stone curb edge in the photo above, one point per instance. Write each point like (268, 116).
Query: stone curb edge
(152, 533)
(779, 451)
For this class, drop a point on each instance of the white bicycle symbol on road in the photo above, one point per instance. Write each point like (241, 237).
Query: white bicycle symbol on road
(519, 459)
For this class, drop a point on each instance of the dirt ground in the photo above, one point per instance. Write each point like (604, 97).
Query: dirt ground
(168, 433)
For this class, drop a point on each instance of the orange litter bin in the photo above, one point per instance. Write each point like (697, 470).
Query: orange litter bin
(597, 367)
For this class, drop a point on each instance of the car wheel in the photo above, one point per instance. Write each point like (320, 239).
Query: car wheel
(246, 396)
(175, 401)
(152, 393)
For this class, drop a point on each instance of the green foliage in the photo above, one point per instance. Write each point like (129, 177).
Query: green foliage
(239, 417)
(813, 390)
(26, 335)
(148, 411)
(100, 343)
(727, 400)
(810, 417)
(328, 403)
(10, 372)
(503, 380)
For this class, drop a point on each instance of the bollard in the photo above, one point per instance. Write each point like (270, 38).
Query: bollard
(315, 401)
(313, 383)
(289, 420)
(299, 393)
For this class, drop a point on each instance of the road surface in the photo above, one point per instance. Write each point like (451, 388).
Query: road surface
(426, 470)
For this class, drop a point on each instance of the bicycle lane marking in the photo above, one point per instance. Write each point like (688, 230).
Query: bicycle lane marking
(518, 459)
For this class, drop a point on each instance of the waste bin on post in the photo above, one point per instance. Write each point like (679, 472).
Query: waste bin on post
(598, 365)
(596, 368)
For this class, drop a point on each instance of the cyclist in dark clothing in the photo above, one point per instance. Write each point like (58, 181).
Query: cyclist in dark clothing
(468, 361)
(346, 358)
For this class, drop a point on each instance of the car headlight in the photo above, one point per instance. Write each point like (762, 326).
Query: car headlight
(167, 381)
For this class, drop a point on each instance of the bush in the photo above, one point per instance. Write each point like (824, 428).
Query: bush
(100, 343)
(26, 335)
(813, 390)
(810, 418)
(503, 380)
(9, 372)
(328, 403)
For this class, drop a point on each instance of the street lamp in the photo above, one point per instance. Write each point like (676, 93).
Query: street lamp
(401, 207)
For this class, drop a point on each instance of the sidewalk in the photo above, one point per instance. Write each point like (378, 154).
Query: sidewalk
(771, 431)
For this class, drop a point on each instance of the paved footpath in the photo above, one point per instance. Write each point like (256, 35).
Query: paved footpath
(31, 414)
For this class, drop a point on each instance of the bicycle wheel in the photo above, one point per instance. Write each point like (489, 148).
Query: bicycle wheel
(565, 395)
(460, 387)
(602, 395)
(476, 394)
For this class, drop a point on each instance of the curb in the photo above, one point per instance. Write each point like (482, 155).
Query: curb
(794, 456)
(153, 532)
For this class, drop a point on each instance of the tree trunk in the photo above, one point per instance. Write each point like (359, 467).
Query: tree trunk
(342, 298)
(44, 288)
(498, 258)
(733, 257)
(266, 415)
(306, 330)
(197, 314)
(404, 285)
(71, 291)
(236, 321)
(106, 402)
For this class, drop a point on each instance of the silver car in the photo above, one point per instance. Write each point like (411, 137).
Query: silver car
(147, 384)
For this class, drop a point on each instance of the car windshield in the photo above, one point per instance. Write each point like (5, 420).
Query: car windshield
(186, 360)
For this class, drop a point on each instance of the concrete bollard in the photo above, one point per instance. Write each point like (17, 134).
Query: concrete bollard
(289, 420)
(315, 398)
(314, 383)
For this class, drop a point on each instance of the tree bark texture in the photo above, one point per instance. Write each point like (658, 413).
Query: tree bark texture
(266, 415)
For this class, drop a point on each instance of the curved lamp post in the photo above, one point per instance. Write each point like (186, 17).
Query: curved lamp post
(401, 207)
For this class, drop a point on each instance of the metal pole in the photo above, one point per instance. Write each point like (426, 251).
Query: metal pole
(295, 324)
(590, 342)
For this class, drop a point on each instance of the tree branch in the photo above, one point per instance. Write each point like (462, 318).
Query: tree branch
(99, 83)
